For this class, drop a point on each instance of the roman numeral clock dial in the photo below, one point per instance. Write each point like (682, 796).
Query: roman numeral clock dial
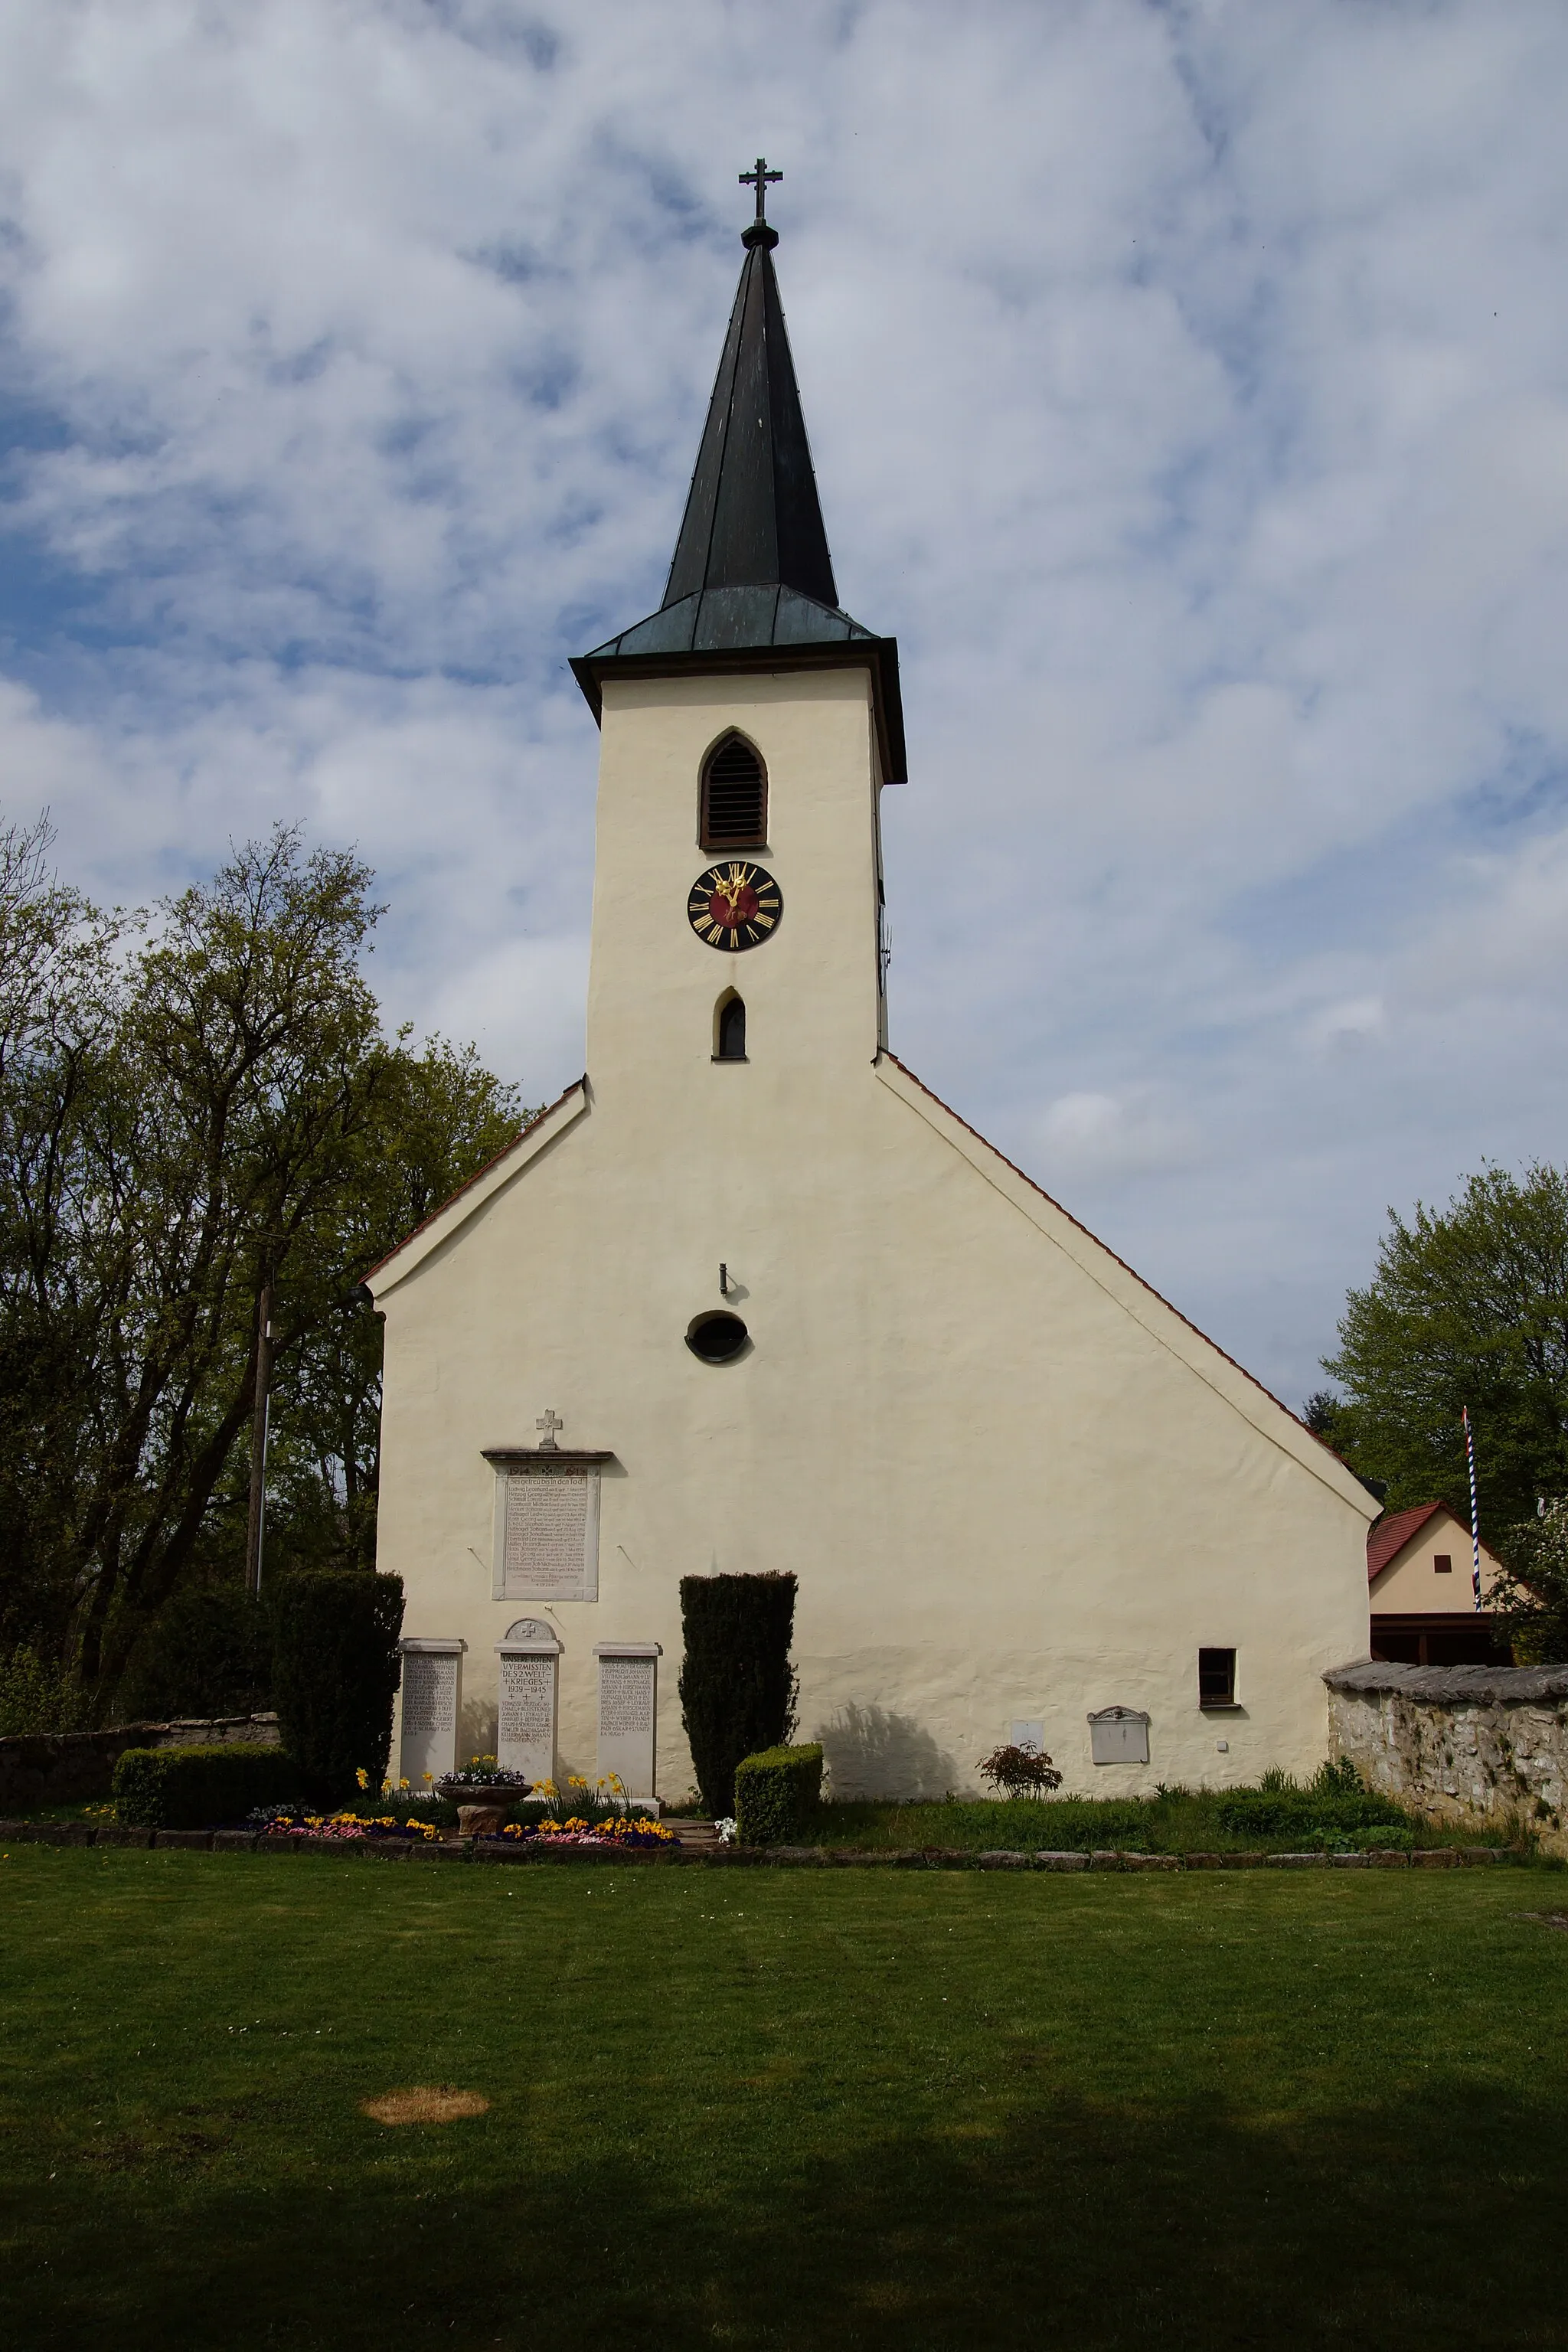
(734, 905)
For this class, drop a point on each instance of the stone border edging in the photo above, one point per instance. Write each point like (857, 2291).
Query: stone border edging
(796, 1857)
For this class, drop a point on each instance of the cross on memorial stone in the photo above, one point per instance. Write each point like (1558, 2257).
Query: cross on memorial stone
(549, 1423)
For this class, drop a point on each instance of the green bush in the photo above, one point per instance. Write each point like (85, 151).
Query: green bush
(335, 1669)
(737, 1687)
(198, 1788)
(1291, 1812)
(207, 1653)
(776, 1793)
(35, 1695)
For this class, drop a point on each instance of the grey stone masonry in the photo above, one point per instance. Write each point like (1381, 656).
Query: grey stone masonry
(1486, 1746)
(62, 1768)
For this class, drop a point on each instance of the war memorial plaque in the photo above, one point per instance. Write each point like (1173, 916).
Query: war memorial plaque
(525, 1738)
(627, 1691)
(548, 1547)
(432, 1701)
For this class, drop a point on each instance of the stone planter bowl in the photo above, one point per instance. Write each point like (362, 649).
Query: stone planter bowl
(481, 1808)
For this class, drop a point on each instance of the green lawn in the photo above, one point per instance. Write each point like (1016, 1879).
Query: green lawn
(1187, 1820)
(755, 2107)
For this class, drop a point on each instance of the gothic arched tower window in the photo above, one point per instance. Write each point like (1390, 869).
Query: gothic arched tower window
(734, 796)
(729, 1028)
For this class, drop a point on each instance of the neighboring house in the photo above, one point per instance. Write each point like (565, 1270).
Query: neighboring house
(1420, 1574)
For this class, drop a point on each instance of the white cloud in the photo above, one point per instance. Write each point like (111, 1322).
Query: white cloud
(1350, 1023)
(1093, 1138)
(1186, 389)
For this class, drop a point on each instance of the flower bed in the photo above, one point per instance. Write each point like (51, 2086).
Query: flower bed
(299, 1822)
(621, 1830)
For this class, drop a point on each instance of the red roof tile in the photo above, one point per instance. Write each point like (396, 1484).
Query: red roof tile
(1390, 1534)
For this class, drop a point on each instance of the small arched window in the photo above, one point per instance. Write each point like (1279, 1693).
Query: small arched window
(730, 1031)
(734, 796)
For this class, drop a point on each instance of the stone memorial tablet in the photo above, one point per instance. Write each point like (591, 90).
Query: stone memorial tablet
(432, 1696)
(525, 1738)
(1028, 1731)
(1118, 1735)
(628, 1697)
(547, 1532)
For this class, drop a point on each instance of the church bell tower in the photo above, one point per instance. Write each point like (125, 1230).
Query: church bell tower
(747, 728)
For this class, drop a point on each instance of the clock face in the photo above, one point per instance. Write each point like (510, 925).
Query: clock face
(734, 905)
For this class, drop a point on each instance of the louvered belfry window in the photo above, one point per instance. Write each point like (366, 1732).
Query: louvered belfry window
(734, 797)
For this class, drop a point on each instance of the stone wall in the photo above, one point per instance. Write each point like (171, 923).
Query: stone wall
(63, 1768)
(1483, 1745)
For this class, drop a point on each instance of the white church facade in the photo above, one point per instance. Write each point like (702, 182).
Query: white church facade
(749, 1297)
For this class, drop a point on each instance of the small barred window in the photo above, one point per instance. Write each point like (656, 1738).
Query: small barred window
(734, 796)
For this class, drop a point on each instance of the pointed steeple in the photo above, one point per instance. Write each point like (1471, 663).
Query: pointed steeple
(752, 517)
(751, 576)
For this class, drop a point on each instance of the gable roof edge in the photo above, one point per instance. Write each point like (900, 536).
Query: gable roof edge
(1387, 1536)
(469, 1197)
(1302, 1444)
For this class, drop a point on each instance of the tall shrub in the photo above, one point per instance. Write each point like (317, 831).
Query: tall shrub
(335, 1669)
(199, 1787)
(737, 1687)
(207, 1653)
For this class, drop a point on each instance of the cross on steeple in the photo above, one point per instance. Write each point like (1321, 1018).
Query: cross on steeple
(761, 179)
(549, 1423)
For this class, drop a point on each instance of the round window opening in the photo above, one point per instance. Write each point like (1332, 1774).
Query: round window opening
(716, 1337)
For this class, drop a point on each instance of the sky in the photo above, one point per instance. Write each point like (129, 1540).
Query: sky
(1188, 394)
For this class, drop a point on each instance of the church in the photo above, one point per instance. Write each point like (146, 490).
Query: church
(748, 1297)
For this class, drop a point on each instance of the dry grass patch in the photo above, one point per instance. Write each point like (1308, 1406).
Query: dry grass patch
(437, 2104)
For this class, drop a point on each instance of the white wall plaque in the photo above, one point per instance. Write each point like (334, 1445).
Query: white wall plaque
(629, 1673)
(1028, 1731)
(432, 1702)
(546, 1531)
(525, 1738)
(1118, 1735)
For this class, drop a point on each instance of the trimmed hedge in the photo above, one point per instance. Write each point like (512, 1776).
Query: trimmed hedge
(199, 1787)
(776, 1793)
(335, 1671)
(737, 1687)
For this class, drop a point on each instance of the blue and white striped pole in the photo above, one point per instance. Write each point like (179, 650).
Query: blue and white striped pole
(1475, 1523)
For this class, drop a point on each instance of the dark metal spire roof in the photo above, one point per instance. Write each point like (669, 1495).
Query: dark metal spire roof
(752, 573)
(752, 517)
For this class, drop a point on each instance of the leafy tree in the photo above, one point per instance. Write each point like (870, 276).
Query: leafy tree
(208, 1653)
(1468, 1307)
(59, 1001)
(37, 1694)
(1531, 1599)
(1325, 1415)
(177, 1123)
(440, 1116)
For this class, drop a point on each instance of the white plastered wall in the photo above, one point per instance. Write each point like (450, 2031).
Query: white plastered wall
(1011, 1481)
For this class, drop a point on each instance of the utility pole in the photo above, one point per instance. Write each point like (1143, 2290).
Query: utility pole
(255, 1524)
